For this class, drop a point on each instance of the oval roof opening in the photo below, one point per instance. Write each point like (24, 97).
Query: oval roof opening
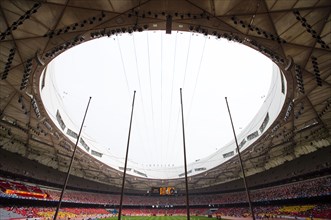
(156, 65)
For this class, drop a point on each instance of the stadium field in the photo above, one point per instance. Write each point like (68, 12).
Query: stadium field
(159, 218)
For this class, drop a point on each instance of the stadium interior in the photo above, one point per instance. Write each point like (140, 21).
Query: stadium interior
(286, 161)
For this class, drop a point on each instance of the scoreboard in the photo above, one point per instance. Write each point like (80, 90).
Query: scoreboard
(163, 191)
(167, 191)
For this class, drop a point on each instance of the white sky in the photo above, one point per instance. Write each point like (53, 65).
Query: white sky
(157, 65)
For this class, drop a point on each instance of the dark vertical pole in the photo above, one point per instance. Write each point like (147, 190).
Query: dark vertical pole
(241, 163)
(71, 162)
(185, 164)
(126, 159)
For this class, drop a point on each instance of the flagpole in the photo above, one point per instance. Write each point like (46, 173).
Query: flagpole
(71, 162)
(185, 163)
(241, 163)
(126, 159)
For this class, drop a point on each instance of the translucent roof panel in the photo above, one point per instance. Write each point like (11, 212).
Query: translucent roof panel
(156, 65)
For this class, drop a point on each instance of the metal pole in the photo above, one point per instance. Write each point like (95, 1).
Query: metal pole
(71, 162)
(185, 163)
(241, 163)
(126, 160)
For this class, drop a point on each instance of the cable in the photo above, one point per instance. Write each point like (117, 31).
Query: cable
(150, 86)
(141, 91)
(172, 88)
(187, 56)
(123, 66)
(161, 94)
(175, 134)
(196, 81)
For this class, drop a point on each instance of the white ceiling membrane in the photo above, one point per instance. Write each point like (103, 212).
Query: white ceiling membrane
(156, 65)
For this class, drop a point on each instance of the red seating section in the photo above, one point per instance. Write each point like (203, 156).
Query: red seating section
(21, 189)
(166, 205)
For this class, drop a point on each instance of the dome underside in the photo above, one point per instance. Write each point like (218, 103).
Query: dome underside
(296, 36)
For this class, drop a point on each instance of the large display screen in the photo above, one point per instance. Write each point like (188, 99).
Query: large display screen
(163, 191)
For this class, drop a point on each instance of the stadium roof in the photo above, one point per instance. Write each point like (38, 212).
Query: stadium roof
(295, 35)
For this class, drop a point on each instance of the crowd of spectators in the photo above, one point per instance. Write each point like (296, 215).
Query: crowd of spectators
(64, 213)
(166, 205)
(264, 212)
(303, 189)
